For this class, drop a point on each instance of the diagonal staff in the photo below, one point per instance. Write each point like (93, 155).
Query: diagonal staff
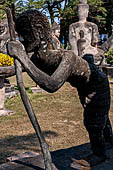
(25, 99)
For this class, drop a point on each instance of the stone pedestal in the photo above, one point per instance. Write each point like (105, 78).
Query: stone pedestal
(4, 73)
(3, 111)
(36, 89)
(2, 93)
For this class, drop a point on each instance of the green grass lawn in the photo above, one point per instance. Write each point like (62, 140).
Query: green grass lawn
(60, 116)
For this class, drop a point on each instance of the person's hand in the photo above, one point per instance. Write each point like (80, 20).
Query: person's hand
(16, 50)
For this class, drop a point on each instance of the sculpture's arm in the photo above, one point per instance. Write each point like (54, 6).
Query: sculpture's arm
(95, 35)
(73, 40)
(49, 83)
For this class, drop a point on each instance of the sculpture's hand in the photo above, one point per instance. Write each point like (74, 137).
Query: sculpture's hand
(72, 38)
(16, 50)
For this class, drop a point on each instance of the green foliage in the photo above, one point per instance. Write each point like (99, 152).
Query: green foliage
(97, 13)
(109, 56)
(7, 3)
(70, 10)
(35, 4)
(3, 7)
(31, 4)
(2, 14)
(20, 6)
(28, 90)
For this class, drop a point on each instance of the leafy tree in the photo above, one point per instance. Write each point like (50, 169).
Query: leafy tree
(68, 15)
(3, 5)
(97, 14)
(31, 4)
(108, 5)
(51, 7)
(2, 14)
(66, 11)
(100, 12)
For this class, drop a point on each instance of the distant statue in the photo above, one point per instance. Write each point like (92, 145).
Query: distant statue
(50, 69)
(55, 36)
(4, 35)
(85, 43)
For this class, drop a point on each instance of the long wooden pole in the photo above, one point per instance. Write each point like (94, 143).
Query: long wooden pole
(26, 102)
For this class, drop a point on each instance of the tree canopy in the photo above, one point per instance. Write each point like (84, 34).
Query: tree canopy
(100, 12)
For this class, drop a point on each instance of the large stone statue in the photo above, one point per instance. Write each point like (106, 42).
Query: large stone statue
(50, 69)
(83, 35)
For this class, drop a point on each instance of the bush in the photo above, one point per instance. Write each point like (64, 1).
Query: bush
(6, 60)
(109, 56)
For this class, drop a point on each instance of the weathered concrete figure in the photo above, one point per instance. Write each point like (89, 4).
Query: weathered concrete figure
(55, 36)
(50, 69)
(88, 42)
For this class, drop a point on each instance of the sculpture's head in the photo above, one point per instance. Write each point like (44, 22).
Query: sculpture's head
(89, 58)
(33, 29)
(83, 10)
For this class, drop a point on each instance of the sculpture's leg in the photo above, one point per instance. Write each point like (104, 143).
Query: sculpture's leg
(97, 141)
(108, 132)
(32, 117)
(95, 125)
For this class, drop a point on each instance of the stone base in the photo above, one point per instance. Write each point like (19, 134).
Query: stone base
(5, 112)
(21, 156)
(9, 88)
(36, 89)
(11, 94)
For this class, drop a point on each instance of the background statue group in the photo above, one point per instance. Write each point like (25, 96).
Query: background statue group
(83, 35)
(50, 68)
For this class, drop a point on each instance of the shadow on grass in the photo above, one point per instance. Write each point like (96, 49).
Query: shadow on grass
(63, 159)
(66, 159)
(13, 144)
(81, 157)
(73, 158)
